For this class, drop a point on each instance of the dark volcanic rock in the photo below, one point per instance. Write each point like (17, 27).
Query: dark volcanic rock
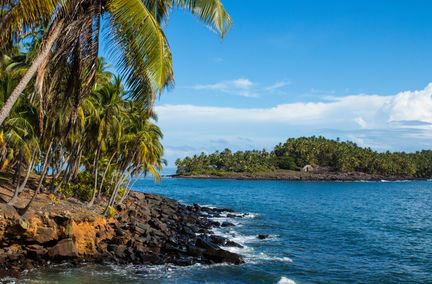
(227, 224)
(263, 236)
(223, 256)
(147, 229)
(233, 244)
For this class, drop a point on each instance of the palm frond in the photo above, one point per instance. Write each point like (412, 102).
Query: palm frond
(211, 12)
(142, 49)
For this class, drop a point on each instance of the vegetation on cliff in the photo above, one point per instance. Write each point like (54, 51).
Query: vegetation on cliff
(66, 123)
(325, 154)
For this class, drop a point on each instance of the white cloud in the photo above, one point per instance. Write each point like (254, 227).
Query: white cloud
(240, 87)
(402, 121)
(411, 106)
(277, 86)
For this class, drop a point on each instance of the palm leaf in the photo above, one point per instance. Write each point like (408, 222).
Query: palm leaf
(211, 12)
(142, 50)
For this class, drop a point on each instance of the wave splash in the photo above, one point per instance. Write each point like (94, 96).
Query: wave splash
(285, 280)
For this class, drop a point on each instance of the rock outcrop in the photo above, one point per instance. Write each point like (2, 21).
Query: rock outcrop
(147, 229)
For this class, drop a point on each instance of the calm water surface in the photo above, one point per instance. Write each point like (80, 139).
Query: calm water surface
(321, 232)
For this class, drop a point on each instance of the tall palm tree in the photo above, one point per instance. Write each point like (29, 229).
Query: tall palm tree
(110, 104)
(134, 34)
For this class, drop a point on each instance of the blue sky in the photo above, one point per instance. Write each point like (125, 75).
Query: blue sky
(358, 70)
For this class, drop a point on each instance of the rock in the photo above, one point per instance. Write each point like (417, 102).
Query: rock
(233, 244)
(35, 252)
(148, 229)
(44, 235)
(8, 212)
(120, 251)
(227, 224)
(194, 251)
(205, 243)
(223, 256)
(221, 241)
(262, 236)
(63, 249)
(184, 261)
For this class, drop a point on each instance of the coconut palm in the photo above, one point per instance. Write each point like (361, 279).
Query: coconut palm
(134, 34)
(110, 105)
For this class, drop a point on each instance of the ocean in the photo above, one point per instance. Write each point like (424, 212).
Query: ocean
(319, 232)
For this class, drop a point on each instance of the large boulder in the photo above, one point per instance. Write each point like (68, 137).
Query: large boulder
(63, 249)
(45, 234)
(223, 256)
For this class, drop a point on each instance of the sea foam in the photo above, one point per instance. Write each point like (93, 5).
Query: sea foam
(285, 280)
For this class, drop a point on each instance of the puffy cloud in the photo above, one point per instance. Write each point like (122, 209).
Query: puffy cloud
(402, 121)
(411, 106)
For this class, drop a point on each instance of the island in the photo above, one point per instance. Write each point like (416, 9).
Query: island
(309, 158)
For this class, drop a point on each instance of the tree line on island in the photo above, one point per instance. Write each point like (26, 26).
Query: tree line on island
(69, 126)
(296, 153)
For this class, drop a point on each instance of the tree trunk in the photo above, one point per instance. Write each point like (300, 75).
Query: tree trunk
(129, 188)
(95, 165)
(104, 174)
(44, 171)
(23, 184)
(44, 53)
(114, 194)
(45, 168)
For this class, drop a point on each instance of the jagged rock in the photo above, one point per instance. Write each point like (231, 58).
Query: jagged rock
(120, 251)
(233, 244)
(262, 236)
(223, 256)
(63, 249)
(227, 224)
(148, 229)
(44, 235)
(8, 212)
(233, 216)
(218, 240)
(36, 251)
(205, 243)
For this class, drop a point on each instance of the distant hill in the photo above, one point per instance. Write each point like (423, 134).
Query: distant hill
(310, 158)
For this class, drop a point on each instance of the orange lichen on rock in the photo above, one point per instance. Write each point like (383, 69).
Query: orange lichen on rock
(84, 236)
(87, 235)
(32, 225)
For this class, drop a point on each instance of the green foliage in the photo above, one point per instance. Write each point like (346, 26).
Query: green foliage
(329, 155)
(111, 212)
(248, 161)
(82, 187)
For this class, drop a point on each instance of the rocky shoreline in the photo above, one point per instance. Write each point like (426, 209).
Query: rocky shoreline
(147, 229)
(297, 176)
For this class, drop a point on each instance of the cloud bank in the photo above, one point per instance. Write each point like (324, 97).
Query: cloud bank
(399, 122)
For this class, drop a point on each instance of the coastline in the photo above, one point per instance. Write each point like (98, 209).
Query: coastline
(287, 175)
(147, 229)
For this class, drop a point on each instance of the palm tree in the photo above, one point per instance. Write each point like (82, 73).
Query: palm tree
(141, 151)
(134, 32)
(110, 104)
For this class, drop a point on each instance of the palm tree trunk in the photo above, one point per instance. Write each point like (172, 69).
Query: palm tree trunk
(105, 173)
(114, 194)
(44, 171)
(23, 184)
(129, 188)
(43, 55)
(95, 165)
(45, 167)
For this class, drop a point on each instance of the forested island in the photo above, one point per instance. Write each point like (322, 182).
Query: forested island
(309, 158)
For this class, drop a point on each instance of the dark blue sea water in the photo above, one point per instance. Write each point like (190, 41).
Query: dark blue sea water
(321, 232)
